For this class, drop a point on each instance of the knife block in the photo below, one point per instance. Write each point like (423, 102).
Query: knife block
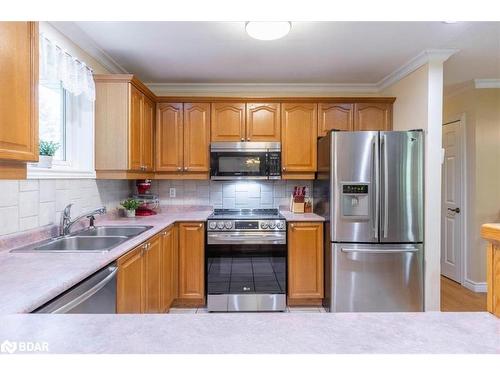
(296, 207)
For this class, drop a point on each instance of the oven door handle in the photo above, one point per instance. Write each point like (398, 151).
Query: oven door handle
(246, 238)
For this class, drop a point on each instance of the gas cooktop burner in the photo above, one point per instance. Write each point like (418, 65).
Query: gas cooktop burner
(246, 213)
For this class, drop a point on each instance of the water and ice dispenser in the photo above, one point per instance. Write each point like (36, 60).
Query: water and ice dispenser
(355, 201)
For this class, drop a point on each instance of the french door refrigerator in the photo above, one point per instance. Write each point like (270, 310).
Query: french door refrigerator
(370, 191)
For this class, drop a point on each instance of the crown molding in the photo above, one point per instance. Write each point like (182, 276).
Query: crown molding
(488, 83)
(86, 43)
(424, 57)
(78, 36)
(259, 89)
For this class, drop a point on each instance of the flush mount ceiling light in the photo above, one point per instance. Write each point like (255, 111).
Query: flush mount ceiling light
(267, 30)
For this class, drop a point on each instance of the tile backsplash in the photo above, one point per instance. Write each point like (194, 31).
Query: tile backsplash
(28, 204)
(230, 194)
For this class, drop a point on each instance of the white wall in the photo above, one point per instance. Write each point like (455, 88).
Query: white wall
(481, 109)
(419, 105)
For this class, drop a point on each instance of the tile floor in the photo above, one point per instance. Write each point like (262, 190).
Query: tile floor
(203, 310)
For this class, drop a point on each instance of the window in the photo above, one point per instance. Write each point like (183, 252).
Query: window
(66, 113)
(52, 117)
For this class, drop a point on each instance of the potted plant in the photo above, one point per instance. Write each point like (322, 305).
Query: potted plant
(130, 205)
(47, 151)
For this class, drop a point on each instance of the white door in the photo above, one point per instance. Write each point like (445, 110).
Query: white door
(451, 218)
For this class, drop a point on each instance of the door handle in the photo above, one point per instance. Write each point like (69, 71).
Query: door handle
(456, 210)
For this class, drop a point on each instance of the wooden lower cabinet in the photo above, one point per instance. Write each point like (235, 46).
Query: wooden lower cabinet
(191, 264)
(168, 270)
(305, 263)
(130, 282)
(152, 273)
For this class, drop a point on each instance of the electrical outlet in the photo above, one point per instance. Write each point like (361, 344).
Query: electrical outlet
(172, 192)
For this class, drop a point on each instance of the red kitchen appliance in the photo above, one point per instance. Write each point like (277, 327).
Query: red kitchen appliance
(149, 202)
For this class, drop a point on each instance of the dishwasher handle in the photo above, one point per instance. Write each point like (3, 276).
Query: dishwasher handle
(86, 294)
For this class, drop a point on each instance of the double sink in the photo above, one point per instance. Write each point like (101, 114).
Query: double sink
(93, 239)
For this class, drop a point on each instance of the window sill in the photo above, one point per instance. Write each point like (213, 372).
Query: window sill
(57, 172)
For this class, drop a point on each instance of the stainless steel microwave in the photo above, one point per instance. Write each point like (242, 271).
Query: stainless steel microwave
(245, 160)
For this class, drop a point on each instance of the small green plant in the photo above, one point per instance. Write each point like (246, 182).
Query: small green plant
(48, 148)
(130, 204)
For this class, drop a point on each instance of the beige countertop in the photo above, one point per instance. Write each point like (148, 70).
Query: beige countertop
(28, 280)
(298, 332)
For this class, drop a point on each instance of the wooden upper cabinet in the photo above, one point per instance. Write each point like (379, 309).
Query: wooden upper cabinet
(305, 260)
(19, 91)
(263, 122)
(196, 137)
(130, 282)
(136, 120)
(147, 134)
(373, 116)
(299, 129)
(125, 111)
(228, 122)
(169, 137)
(191, 262)
(338, 116)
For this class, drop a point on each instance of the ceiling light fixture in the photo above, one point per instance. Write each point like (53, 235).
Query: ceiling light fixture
(268, 30)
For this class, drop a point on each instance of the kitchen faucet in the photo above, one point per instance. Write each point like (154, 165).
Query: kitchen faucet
(67, 223)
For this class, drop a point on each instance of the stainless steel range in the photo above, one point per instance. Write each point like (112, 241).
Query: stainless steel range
(246, 260)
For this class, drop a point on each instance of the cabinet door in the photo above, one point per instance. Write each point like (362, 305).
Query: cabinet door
(338, 116)
(130, 282)
(18, 91)
(152, 264)
(228, 122)
(299, 129)
(166, 271)
(192, 261)
(147, 134)
(373, 116)
(169, 137)
(135, 128)
(305, 260)
(196, 137)
(263, 122)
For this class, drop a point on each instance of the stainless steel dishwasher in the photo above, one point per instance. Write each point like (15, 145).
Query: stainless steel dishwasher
(94, 295)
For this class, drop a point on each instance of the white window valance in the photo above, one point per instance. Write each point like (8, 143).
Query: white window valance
(58, 65)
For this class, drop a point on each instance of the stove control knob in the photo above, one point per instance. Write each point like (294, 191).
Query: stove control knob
(272, 225)
(220, 225)
(264, 225)
(212, 225)
(280, 225)
(228, 224)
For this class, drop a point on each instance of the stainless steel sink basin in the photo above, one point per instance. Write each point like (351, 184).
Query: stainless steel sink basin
(128, 231)
(76, 244)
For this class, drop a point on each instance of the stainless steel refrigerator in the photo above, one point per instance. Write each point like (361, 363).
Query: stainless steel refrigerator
(370, 190)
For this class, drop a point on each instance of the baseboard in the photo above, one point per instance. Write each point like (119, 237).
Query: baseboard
(481, 287)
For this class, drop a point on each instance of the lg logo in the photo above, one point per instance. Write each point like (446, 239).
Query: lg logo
(12, 347)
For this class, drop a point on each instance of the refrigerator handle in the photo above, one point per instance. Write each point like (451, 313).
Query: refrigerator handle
(383, 150)
(375, 169)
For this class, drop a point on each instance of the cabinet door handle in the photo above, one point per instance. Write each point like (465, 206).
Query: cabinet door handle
(248, 138)
(284, 169)
(179, 168)
(242, 139)
(185, 168)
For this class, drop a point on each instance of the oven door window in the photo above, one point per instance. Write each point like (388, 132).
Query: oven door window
(238, 164)
(246, 269)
